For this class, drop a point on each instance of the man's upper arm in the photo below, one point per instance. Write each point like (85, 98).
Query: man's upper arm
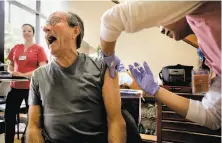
(34, 94)
(134, 16)
(111, 96)
(34, 103)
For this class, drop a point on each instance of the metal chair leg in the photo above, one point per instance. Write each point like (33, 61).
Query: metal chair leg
(18, 121)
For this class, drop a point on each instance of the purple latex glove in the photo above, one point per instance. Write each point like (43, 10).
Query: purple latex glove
(113, 63)
(144, 78)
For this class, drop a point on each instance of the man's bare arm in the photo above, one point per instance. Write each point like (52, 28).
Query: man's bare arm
(112, 101)
(33, 133)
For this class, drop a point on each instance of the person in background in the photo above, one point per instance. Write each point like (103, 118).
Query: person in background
(73, 98)
(24, 59)
(202, 65)
(177, 20)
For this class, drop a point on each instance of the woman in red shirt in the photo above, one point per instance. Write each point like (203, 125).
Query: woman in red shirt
(24, 59)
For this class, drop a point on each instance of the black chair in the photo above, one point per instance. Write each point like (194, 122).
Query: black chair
(2, 121)
(2, 108)
(133, 135)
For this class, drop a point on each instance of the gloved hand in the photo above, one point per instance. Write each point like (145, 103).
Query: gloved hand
(113, 63)
(144, 78)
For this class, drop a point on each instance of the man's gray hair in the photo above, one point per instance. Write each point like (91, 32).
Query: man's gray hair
(74, 20)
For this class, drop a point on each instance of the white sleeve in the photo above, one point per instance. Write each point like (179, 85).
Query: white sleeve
(133, 16)
(208, 112)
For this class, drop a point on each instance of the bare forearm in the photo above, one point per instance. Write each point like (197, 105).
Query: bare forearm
(34, 135)
(117, 132)
(28, 74)
(175, 102)
(10, 68)
(107, 48)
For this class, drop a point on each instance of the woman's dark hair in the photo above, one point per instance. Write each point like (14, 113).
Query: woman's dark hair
(33, 29)
(204, 66)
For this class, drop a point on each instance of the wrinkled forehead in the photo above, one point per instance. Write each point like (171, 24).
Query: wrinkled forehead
(62, 15)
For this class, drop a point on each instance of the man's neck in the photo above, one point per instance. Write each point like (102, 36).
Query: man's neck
(67, 58)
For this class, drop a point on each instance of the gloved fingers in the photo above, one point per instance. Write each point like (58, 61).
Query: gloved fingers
(112, 71)
(134, 71)
(130, 67)
(147, 68)
(136, 64)
(117, 66)
(141, 69)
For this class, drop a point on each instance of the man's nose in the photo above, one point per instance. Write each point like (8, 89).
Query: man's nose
(47, 28)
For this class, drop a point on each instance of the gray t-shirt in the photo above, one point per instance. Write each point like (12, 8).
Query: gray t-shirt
(71, 98)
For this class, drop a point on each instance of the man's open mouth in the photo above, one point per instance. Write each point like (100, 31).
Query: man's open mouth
(51, 39)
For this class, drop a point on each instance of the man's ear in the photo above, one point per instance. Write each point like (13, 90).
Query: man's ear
(76, 30)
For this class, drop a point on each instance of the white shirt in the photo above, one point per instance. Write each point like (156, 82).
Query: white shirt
(208, 111)
(133, 16)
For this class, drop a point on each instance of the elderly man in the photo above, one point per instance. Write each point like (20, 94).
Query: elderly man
(73, 98)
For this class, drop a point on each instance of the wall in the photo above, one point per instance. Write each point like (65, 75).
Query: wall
(156, 49)
(148, 45)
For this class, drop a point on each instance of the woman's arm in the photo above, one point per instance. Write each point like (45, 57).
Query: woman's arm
(29, 74)
(11, 67)
(205, 113)
(175, 102)
(134, 16)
